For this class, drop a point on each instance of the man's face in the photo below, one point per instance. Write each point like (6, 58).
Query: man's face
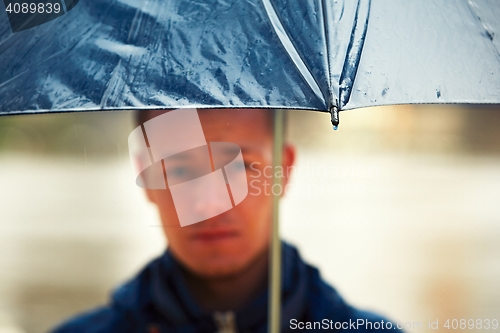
(231, 241)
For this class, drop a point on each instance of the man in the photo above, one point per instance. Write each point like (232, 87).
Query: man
(214, 275)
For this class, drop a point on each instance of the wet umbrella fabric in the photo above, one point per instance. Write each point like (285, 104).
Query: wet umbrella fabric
(134, 54)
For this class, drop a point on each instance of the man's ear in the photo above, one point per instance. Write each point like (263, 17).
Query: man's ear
(138, 166)
(288, 161)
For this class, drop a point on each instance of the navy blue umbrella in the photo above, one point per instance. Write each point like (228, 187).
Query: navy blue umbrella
(309, 54)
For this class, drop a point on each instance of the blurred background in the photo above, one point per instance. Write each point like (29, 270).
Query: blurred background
(399, 209)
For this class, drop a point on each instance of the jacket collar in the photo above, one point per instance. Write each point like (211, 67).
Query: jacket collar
(161, 291)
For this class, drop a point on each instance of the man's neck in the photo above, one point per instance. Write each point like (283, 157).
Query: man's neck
(230, 292)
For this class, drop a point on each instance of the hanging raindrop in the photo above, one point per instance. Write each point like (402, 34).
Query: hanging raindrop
(334, 111)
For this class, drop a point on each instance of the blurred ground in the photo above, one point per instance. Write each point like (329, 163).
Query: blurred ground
(399, 209)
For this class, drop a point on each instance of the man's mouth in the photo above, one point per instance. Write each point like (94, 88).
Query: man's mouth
(214, 235)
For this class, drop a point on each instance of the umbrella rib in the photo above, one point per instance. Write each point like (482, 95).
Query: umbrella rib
(291, 50)
(354, 50)
(327, 20)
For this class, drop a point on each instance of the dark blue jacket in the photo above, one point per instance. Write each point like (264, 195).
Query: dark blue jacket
(158, 301)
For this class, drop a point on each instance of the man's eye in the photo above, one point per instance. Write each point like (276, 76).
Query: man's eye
(241, 166)
(236, 167)
(252, 166)
(178, 172)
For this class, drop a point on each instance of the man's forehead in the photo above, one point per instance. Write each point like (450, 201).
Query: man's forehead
(235, 117)
(258, 120)
(222, 112)
(250, 129)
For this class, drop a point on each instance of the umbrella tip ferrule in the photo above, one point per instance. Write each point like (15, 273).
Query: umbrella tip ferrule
(334, 111)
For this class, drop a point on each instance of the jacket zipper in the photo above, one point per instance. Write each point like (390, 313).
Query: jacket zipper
(225, 322)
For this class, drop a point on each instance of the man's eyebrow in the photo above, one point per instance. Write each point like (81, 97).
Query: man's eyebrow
(232, 150)
(179, 156)
(235, 150)
(226, 151)
(251, 149)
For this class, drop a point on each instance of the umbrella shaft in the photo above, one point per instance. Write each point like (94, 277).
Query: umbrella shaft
(275, 253)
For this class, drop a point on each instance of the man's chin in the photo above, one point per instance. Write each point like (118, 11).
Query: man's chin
(215, 268)
(227, 264)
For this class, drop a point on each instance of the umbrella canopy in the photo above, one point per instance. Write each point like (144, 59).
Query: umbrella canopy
(314, 54)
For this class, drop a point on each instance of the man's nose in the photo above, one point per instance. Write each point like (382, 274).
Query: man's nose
(201, 198)
(212, 196)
